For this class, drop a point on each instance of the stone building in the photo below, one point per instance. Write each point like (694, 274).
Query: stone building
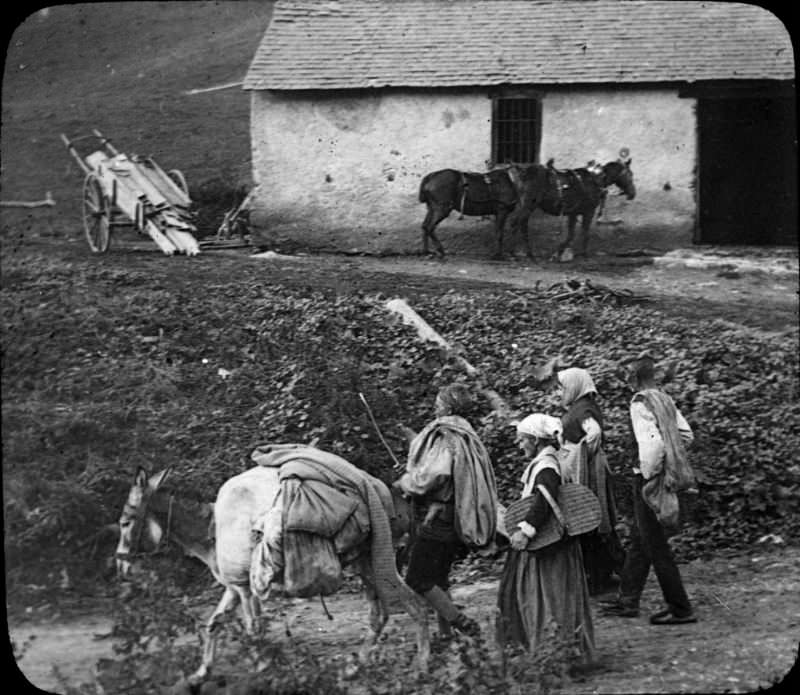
(353, 101)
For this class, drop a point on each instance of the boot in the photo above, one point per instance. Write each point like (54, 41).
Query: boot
(442, 604)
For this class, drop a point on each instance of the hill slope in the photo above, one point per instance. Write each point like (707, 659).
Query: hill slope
(124, 68)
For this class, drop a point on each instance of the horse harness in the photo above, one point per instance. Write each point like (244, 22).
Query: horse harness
(575, 179)
(465, 185)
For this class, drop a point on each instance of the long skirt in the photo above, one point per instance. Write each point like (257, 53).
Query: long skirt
(542, 587)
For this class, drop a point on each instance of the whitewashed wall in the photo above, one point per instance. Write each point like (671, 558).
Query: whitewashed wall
(342, 171)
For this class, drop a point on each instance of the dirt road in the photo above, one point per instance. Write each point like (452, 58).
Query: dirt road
(733, 286)
(747, 636)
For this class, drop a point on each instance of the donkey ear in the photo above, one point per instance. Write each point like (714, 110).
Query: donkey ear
(628, 163)
(158, 479)
(140, 479)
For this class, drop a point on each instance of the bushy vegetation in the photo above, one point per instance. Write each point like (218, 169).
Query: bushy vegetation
(107, 367)
(123, 361)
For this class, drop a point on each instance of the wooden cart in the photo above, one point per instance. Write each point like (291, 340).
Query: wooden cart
(123, 191)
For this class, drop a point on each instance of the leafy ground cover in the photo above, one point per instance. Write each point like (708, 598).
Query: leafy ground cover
(107, 366)
(134, 358)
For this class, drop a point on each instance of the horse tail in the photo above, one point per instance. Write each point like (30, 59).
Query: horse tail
(423, 194)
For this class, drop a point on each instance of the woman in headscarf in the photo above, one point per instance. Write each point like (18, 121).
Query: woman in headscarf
(547, 586)
(582, 441)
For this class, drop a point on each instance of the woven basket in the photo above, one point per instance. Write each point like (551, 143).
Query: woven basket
(578, 505)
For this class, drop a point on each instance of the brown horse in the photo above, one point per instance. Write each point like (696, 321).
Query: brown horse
(471, 194)
(153, 516)
(570, 192)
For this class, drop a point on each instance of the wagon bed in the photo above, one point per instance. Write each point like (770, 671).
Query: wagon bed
(123, 191)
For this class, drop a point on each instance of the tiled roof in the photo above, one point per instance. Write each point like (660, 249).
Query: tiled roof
(445, 43)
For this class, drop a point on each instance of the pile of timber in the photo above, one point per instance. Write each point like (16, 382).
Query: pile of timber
(584, 291)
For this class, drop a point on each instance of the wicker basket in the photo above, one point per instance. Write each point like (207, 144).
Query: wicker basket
(577, 506)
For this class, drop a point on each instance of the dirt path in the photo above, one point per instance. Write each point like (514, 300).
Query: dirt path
(734, 288)
(747, 636)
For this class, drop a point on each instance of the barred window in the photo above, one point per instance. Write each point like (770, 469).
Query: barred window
(516, 130)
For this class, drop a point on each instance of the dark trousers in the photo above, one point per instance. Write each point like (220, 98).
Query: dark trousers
(649, 547)
(429, 563)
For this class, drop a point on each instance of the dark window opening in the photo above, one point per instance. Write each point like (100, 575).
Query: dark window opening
(516, 130)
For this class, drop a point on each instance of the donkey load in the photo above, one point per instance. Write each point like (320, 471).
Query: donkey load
(296, 498)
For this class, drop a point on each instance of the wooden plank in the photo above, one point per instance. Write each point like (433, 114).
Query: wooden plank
(165, 185)
(424, 330)
(162, 241)
(130, 173)
(183, 241)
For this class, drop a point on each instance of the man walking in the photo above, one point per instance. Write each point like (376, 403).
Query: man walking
(662, 469)
(449, 476)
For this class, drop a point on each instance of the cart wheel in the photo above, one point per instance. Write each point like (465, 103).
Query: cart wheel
(96, 215)
(177, 176)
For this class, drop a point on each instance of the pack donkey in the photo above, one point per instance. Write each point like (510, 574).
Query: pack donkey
(570, 193)
(470, 193)
(152, 516)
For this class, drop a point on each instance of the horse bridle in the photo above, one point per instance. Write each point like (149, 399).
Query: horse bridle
(138, 520)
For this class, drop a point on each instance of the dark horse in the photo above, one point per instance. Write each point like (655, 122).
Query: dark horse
(570, 192)
(470, 193)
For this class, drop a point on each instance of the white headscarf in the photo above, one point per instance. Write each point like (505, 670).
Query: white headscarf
(576, 383)
(540, 426)
(545, 427)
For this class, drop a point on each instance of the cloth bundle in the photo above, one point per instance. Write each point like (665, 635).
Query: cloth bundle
(660, 492)
(449, 447)
(325, 512)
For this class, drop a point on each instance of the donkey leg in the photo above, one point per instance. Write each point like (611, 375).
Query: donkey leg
(437, 215)
(419, 614)
(378, 617)
(586, 223)
(228, 602)
(499, 225)
(426, 223)
(522, 230)
(250, 608)
(571, 221)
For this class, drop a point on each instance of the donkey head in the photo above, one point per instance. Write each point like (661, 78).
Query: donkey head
(138, 530)
(621, 174)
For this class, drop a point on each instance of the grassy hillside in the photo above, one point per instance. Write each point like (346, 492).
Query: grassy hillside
(124, 68)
